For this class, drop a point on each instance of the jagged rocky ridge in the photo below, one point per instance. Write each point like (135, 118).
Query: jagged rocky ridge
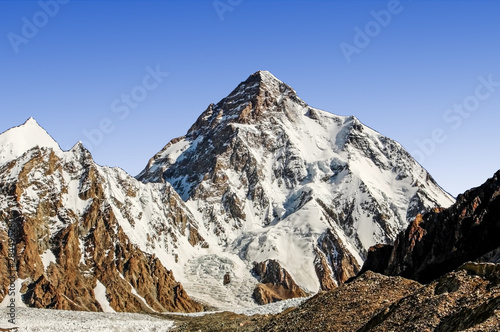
(270, 177)
(86, 235)
(441, 240)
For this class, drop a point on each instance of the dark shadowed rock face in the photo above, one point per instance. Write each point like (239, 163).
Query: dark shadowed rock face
(440, 241)
(276, 284)
(227, 278)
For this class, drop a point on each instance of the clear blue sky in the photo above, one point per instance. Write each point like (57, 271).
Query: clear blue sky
(72, 72)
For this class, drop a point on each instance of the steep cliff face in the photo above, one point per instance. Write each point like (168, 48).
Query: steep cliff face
(85, 235)
(273, 178)
(441, 240)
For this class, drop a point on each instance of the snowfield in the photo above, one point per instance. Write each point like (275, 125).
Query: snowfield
(267, 309)
(51, 320)
(47, 320)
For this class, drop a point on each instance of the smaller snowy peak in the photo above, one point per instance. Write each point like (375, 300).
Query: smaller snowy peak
(16, 141)
(30, 122)
(79, 148)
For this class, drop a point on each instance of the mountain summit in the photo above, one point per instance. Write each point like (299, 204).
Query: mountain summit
(272, 178)
(16, 141)
(262, 91)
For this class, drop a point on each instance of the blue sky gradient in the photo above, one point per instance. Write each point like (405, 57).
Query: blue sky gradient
(72, 74)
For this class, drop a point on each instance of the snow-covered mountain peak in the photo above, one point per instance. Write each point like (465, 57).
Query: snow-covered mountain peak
(31, 121)
(16, 141)
(270, 177)
(95, 227)
(79, 148)
(261, 176)
(266, 75)
(262, 83)
(261, 96)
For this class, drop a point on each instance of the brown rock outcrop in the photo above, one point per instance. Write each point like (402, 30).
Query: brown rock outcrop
(334, 264)
(464, 300)
(461, 300)
(227, 278)
(276, 284)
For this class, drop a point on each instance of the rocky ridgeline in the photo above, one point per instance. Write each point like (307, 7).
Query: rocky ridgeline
(463, 300)
(69, 237)
(441, 240)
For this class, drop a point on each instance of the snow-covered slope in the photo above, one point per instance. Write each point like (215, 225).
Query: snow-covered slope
(270, 177)
(44, 320)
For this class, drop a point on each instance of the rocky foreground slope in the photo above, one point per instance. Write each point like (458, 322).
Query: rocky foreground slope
(464, 300)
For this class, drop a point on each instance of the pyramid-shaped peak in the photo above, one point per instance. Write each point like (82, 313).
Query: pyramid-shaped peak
(249, 102)
(262, 79)
(259, 83)
(16, 141)
(31, 121)
(265, 76)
